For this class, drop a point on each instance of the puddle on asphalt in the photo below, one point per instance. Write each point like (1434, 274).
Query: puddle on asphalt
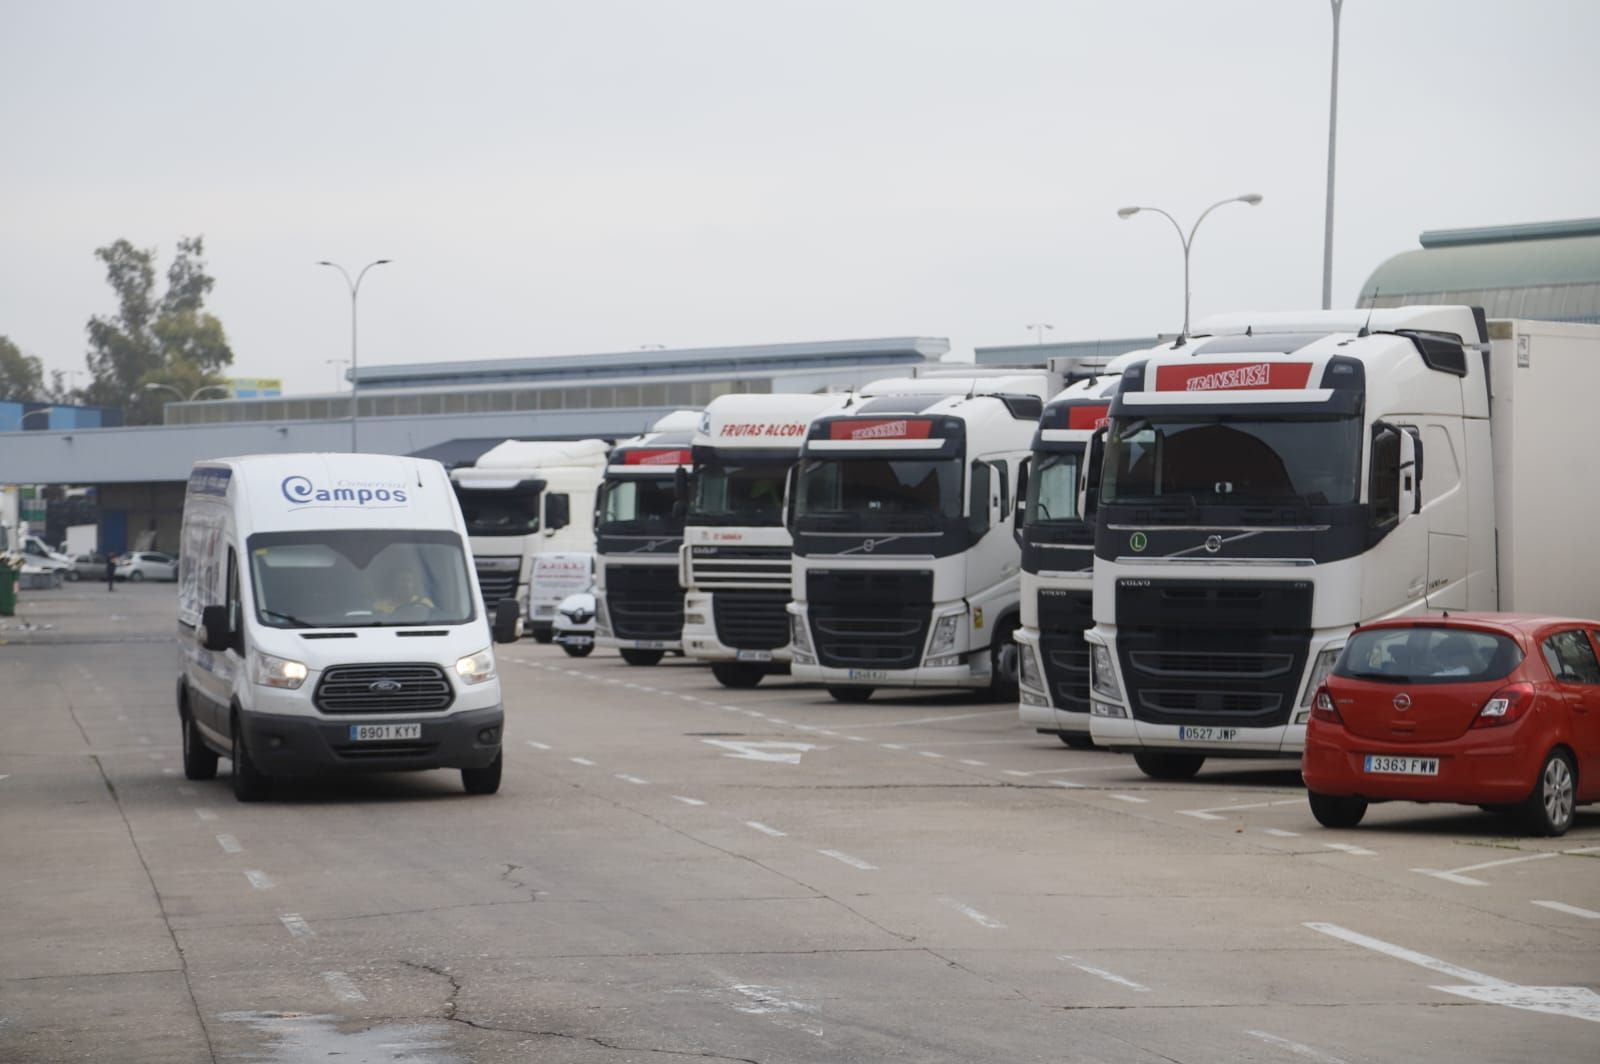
(298, 1037)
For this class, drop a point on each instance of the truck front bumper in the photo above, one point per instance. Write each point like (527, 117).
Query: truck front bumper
(1125, 735)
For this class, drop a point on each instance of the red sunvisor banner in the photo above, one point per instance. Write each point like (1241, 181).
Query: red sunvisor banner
(674, 457)
(1232, 376)
(881, 429)
(1087, 417)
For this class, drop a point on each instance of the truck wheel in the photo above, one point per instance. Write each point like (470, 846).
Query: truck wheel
(1169, 766)
(635, 656)
(1548, 809)
(485, 780)
(1076, 741)
(850, 695)
(578, 652)
(738, 674)
(250, 784)
(199, 760)
(543, 633)
(1337, 811)
(1003, 665)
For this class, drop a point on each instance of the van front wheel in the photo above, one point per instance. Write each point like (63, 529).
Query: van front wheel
(485, 780)
(199, 760)
(250, 784)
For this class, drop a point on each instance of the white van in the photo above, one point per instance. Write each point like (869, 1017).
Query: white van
(328, 621)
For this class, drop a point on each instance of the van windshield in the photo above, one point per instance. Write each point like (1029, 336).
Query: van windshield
(359, 578)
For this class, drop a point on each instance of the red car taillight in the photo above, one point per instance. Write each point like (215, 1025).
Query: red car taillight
(1506, 706)
(1323, 709)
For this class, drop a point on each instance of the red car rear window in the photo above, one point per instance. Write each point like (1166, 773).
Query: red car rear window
(1427, 654)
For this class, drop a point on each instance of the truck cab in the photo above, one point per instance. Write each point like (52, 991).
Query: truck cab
(905, 569)
(735, 563)
(529, 511)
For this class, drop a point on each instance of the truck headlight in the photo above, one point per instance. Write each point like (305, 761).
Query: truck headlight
(799, 638)
(1098, 708)
(1029, 668)
(270, 671)
(602, 616)
(1102, 674)
(943, 640)
(1319, 672)
(476, 668)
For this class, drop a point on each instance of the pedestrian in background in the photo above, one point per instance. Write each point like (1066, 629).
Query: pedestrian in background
(111, 572)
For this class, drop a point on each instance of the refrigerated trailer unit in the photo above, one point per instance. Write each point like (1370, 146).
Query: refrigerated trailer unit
(1279, 478)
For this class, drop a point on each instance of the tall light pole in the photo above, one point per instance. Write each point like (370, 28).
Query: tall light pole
(1039, 328)
(1252, 198)
(1333, 127)
(355, 383)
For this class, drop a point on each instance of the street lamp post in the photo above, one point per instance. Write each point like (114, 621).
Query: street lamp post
(192, 396)
(23, 420)
(1333, 125)
(336, 363)
(1252, 198)
(1039, 328)
(355, 382)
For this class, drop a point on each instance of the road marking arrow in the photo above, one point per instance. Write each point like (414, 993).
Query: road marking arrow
(780, 753)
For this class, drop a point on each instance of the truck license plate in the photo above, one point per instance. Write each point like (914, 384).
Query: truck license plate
(869, 674)
(1403, 766)
(1207, 735)
(755, 655)
(367, 733)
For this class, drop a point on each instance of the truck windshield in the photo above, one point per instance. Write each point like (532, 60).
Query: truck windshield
(639, 504)
(1224, 460)
(499, 511)
(359, 578)
(1053, 495)
(881, 493)
(739, 493)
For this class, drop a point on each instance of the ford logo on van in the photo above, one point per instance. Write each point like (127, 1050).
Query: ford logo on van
(385, 687)
(302, 491)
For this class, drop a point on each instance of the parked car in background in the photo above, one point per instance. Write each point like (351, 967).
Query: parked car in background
(147, 565)
(91, 566)
(574, 624)
(1496, 710)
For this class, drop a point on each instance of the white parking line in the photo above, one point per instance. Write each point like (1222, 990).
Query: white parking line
(853, 862)
(858, 738)
(205, 814)
(934, 720)
(1129, 798)
(1101, 973)
(1456, 876)
(972, 914)
(1354, 851)
(687, 800)
(1571, 910)
(891, 746)
(625, 778)
(1210, 814)
(1009, 771)
(1296, 1048)
(258, 879)
(187, 791)
(581, 761)
(538, 746)
(1065, 783)
(297, 926)
(765, 829)
(168, 771)
(973, 762)
(343, 987)
(930, 753)
(229, 844)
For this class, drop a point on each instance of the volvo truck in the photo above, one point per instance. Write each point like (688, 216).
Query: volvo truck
(638, 530)
(1277, 479)
(905, 568)
(735, 561)
(529, 510)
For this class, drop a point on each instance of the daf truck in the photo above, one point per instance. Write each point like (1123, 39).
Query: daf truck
(905, 567)
(735, 561)
(1279, 478)
(529, 510)
(638, 530)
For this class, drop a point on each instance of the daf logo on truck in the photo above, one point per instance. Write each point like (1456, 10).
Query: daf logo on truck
(301, 492)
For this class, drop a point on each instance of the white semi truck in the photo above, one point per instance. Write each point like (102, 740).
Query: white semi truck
(1279, 478)
(1057, 542)
(735, 561)
(638, 531)
(905, 567)
(529, 511)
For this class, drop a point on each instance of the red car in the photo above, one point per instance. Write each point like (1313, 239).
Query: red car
(1496, 710)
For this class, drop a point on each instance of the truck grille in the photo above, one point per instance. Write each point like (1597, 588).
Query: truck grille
(1063, 618)
(383, 689)
(1227, 654)
(863, 619)
(751, 567)
(752, 620)
(496, 584)
(644, 602)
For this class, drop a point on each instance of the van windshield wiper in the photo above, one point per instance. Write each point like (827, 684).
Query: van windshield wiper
(294, 622)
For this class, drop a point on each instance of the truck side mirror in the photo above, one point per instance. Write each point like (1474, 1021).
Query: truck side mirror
(557, 511)
(1093, 456)
(507, 621)
(1410, 474)
(1020, 510)
(680, 493)
(215, 633)
(789, 480)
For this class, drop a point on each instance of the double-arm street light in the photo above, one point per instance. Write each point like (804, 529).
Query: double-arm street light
(1252, 198)
(1039, 328)
(355, 382)
(192, 396)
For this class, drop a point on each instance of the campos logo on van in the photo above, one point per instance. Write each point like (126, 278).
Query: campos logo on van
(302, 492)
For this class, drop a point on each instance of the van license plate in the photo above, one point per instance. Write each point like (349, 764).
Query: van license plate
(1403, 766)
(368, 733)
(1207, 735)
(755, 655)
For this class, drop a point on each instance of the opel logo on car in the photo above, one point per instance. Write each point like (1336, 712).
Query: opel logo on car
(1402, 701)
(1213, 544)
(384, 686)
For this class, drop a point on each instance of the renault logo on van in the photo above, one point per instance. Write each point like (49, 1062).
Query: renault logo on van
(385, 687)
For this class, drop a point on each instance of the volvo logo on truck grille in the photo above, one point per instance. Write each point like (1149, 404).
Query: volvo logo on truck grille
(1213, 544)
(385, 686)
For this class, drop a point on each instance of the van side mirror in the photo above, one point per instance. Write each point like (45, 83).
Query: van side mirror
(507, 621)
(215, 632)
(557, 511)
(1020, 510)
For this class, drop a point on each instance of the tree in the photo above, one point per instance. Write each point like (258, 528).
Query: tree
(167, 340)
(21, 376)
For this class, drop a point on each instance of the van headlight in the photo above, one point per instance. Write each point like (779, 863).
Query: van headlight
(270, 671)
(1102, 675)
(476, 668)
(1319, 672)
(943, 640)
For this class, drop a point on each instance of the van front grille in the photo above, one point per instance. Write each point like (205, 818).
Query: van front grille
(384, 689)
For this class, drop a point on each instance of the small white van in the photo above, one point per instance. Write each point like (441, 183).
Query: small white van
(328, 622)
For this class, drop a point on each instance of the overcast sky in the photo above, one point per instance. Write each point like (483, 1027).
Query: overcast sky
(599, 175)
